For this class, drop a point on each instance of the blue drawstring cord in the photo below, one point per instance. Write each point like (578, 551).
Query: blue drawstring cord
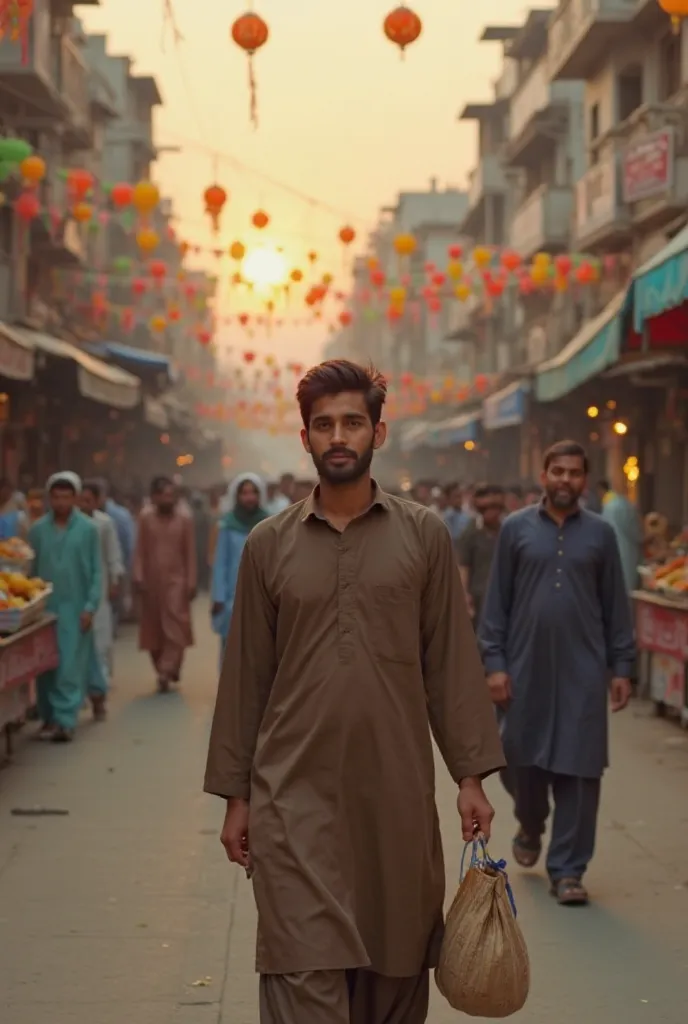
(481, 859)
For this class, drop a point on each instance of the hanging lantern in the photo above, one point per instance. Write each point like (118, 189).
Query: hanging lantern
(79, 183)
(145, 197)
(345, 318)
(542, 259)
(147, 240)
(397, 295)
(405, 245)
(237, 251)
(586, 273)
(377, 278)
(82, 213)
(174, 314)
(244, 319)
(260, 220)
(482, 256)
(462, 291)
(32, 170)
(539, 273)
(563, 265)
(204, 336)
(214, 198)
(481, 382)
(249, 357)
(250, 32)
(455, 270)
(438, 279)
(157, 323)
(122, 195)
(27, 207)
(312, 256)
(510, 260)
(327, 280)
(296, 275)
(158, 271)
(393, 314)
(139, 286)
(455, 252)
(347, 235)
(677, 10)
(402, 26)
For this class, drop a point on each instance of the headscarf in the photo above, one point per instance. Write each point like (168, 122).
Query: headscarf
(65, 477)
(238, 518)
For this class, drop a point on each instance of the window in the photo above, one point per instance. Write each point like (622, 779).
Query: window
(629, 91)
(593, 131)
(669, 65)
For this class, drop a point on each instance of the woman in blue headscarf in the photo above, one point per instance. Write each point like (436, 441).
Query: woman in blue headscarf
(245, 503)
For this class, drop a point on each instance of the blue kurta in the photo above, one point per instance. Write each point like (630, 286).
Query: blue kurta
(622, 516)
(557, 618)
(70, 559)
(228, 549)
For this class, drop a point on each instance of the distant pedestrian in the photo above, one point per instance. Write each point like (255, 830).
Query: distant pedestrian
(67, 550)
(557, 640)
(165, 576)
(454, 515)
(100, 673)
(284, 495)
(477, 543)
(13, 518)
(623, 518)
(248, 499)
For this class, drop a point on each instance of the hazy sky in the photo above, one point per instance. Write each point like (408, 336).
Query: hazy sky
(342, 118)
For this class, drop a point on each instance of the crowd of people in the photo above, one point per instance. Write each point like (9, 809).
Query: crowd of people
(353, 623)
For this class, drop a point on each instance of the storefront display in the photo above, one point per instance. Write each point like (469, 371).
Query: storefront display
(661, 625)
(24, 656)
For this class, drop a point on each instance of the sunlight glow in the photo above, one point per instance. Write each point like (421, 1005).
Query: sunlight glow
(265, 268)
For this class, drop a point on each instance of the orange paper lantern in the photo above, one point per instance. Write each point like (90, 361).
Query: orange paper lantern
(260, 219)
(296, 275)
(145, 197)
(237, 251)
(345, 318)
(250, 33)
(32, 170)
(402, 26)
(214, 198)
(79, 183)
(677, 10)
(347, 235)
(82, 213)
(147, 240)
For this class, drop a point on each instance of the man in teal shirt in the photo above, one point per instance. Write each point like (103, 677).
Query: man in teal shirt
(67, 550)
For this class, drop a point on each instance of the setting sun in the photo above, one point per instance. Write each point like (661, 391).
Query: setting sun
(265, 268)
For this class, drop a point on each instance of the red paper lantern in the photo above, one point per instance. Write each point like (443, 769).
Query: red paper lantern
(586, 273)
(157, 270)
(345, 318)
(139, 286)
(563, 264)
(377, 278)
(122, 195)
(455, 252)
(402, 26)
(347, 235)
(260, 219)
(394, 314)
(205, 337)
(250, 33)
(244, 319)
(27, 207)
(480, 382)
(511, 260)
(214, 198)
(438, 279)
(79, 183)
(249, 357)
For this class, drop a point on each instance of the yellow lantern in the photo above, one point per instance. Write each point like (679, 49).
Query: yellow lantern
(397, 295)
(436, 397)
(82, 213)
(157, 323)
(677, 11)
(482, 256)
(327, 280)
(237, 251)
(462, 291)
(404, 245)
(542, 259)
(539, 273)
(147, 240)
(455, 270)
(145, 197)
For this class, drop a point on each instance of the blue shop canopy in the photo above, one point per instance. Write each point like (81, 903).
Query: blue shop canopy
(456, 430)
(506, 408)
(135, 359)
(661, 283)
(595, 348)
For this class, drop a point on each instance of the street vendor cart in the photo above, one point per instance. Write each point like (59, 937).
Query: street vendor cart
(661, 624)
(24, 655)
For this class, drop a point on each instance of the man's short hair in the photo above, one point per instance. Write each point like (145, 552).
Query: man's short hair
(564, 449)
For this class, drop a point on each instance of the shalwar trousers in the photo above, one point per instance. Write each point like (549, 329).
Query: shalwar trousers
(574, 825)
(343, 997)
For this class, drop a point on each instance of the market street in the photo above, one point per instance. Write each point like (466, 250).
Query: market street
(126, 909)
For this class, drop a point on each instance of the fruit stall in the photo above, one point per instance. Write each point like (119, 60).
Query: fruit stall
(28, 641)
(661, 622)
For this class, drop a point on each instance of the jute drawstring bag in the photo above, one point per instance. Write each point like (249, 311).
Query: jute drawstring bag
(483, 969)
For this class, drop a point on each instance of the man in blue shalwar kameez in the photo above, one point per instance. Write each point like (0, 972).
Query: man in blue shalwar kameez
(67, 549)
(557, 641)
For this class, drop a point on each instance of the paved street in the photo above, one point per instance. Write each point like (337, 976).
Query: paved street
(126, 910)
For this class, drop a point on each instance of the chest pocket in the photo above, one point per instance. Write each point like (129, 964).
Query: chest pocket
(395, 624)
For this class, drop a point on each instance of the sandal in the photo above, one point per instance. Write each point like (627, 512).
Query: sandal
(62, 735)
(570, 892)
(526, 850)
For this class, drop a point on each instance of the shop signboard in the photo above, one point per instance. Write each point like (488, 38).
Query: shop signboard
(648, 166)
(662, 630)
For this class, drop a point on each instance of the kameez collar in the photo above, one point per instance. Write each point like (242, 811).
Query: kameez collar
(542, 510)
(311, 507)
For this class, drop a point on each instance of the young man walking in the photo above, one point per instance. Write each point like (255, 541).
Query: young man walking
(557, 641)
(350, 642)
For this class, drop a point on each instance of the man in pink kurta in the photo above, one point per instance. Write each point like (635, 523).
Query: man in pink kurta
(165, 575)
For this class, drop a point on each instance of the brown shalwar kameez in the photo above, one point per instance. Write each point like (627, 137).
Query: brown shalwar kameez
(165, 570)
(343, 647)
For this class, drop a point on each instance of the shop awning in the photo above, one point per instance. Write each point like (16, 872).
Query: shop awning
(595, 348)
(96, 380)
(456, 430)
(16, 355)
(506, 408)
(155, 414)
(661, 283)
(412, 434)
(135, 360)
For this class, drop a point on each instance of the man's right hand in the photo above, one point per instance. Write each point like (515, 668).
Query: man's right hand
(500, 688)
(234, 835)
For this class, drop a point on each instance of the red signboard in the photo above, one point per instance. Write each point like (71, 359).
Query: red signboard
(648, 166)
(27, 656)
(662, 630)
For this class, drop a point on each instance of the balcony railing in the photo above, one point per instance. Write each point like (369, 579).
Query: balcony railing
(73, 79)
(544, 221)
(579, 31)
(599, 207)
(487, 178)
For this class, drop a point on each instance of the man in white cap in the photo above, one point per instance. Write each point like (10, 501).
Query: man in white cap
(67, 550)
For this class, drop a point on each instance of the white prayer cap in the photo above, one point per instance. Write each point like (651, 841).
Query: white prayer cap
(65, 477)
